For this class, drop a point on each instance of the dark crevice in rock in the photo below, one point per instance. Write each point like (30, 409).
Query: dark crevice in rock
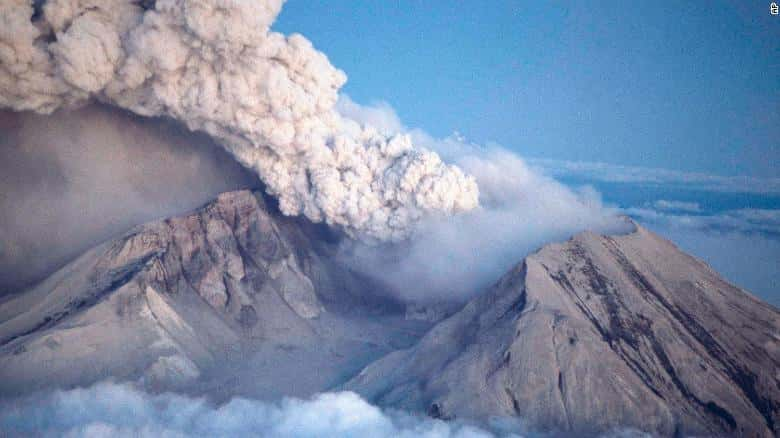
(515, 403)
(46, 323)
(37, 10)
(722, 413)
(436, 411)
(621, 328)
(560, 383)
(502, 364)
(247, 316)
(516, 308)
(561, 390)
(123, 276)
(744, 379)
(146, 4)
(606, 336)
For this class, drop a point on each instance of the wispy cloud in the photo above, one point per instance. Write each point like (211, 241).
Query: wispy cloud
(454, 258)
(663, 204)
(746, 221)
(748, 260)
(524, 208)
(604, 172)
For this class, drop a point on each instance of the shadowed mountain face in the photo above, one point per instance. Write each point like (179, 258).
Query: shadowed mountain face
(588, 335)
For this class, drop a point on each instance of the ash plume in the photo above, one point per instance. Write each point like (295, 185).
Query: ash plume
(73, 179)
(450, 259)
(216, 67)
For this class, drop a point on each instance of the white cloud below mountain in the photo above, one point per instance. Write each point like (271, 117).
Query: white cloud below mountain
(119, 410)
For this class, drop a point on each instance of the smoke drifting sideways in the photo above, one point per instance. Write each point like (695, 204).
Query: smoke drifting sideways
(454, 258)
(76, 178)
(119, 410)
(215, 66)
(271, 101)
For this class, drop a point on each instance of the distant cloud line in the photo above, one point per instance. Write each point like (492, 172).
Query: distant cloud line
(614, 173)
(745, 221)
(663, 204)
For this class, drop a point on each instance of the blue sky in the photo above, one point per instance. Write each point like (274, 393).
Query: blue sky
(692, 87)
(593, 93)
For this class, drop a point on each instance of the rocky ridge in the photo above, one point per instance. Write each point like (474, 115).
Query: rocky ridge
(596, 333)
(584, 336)
(178, 303)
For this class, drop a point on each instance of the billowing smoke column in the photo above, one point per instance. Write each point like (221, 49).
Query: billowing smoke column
(215, 66)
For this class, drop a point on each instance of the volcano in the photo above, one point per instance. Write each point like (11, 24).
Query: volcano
(236, 299)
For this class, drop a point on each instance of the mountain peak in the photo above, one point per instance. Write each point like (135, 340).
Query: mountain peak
(594, 333)
(235, 299)
(173, 303)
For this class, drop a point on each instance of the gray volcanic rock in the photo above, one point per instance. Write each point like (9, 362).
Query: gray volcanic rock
(233, 299)
(598, 333)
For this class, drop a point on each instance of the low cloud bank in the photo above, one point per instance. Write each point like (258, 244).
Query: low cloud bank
(119, 410)
(743, 245)
(747, 220)
(747, 260)
(732, 223)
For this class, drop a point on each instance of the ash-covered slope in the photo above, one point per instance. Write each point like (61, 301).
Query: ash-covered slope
(596, 333)
(233, 299)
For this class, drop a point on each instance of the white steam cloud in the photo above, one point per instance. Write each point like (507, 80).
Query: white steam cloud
(119, 410)
(215, 66)
(272, 101)
(454, 258)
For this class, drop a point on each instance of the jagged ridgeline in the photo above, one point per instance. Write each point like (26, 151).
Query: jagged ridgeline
(247, 296)
(596, 333)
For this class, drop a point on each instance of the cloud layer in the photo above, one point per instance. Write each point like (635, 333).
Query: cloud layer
(604, 172)
(732, 223)
(119, 410)
(216, 67)
(743, 245)
(745, 220)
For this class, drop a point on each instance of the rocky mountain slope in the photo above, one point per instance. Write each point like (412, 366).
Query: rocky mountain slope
(596, 333)
(234, 299)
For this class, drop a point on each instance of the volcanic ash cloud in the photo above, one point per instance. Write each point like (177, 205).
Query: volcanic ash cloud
(215, 66)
